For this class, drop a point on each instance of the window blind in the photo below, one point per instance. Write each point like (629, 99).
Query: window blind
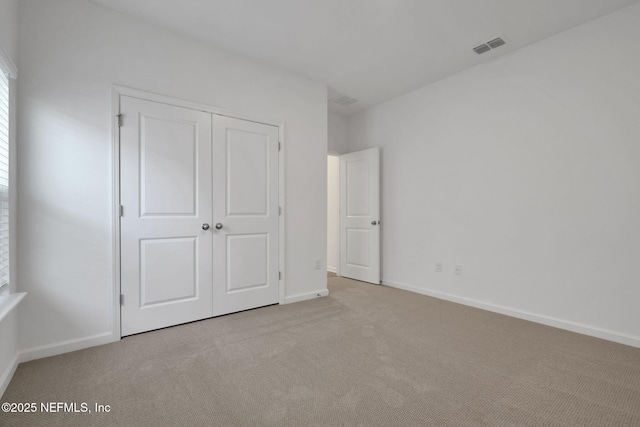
(4, 179)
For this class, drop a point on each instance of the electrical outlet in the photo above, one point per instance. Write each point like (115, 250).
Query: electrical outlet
(458, 270)
(438, 267)
(318, 264)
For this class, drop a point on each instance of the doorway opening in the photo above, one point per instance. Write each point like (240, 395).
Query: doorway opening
(333, 214)
(353, 215)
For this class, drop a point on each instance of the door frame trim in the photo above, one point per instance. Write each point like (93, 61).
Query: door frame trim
(118, 91)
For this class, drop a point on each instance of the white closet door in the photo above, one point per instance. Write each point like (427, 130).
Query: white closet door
(360, 215)
(245, 215)
(166, 194)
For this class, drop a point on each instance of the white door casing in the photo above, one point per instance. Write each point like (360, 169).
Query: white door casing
(360, 215)
(245, 247)
(165, 191)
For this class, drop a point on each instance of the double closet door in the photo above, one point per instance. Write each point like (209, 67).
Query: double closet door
(199, 223)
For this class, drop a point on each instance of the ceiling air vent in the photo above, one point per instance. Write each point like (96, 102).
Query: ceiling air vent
(492, 44)
(343, 100)
(496, 43)
(481, 49)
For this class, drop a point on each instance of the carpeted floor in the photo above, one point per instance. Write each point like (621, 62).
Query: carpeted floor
(364, 356)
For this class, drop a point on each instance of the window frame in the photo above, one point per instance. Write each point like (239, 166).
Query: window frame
(8, 68)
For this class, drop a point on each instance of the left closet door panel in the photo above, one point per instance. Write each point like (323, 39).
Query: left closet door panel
(166, 194)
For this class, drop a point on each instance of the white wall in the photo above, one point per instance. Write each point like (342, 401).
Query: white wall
(333, 213)
(9, 27)
(9, 325)
(337, 138)
(70, 52)
(524, 171)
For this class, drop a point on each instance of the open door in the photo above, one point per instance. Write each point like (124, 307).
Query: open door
(360, 215)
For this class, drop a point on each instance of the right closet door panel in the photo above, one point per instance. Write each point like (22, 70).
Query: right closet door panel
(245, 215)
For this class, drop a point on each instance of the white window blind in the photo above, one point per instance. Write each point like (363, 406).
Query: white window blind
(4, 180)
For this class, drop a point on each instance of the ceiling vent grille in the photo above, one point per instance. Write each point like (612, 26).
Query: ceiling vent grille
(343, 100)
(497, 42)
(492, 44)
(481, 49)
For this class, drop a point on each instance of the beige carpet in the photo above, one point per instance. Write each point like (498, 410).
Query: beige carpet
(364, 356)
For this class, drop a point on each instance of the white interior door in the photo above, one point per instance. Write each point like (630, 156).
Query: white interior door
(245, 215)
(166, 194)
(360, 215)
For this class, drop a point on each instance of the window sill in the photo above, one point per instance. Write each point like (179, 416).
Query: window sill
(9, 302)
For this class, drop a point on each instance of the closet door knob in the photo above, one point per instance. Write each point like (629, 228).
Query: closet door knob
(218, 226)
(205, 226)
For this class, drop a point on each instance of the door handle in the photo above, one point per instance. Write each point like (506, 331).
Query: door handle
(218, 226)
(205, 226)
(375, 222)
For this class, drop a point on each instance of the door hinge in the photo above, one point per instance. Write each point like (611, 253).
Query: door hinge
(121, 299)
(279, 210)
(279, 146)
(279, 275)
(121, 210)
(119, 120)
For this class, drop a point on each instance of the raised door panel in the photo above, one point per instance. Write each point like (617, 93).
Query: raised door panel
(247, 262)
(357, 176)
(247, 173)
(359, 247)
(168, 271)
(168, 166)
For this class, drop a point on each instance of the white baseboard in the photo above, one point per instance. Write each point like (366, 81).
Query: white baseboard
(332, 269)
(306, 296)
(5, 379)
(592, 331)
(55, 349)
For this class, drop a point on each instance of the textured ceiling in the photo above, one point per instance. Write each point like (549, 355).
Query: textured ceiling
(370, 50)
